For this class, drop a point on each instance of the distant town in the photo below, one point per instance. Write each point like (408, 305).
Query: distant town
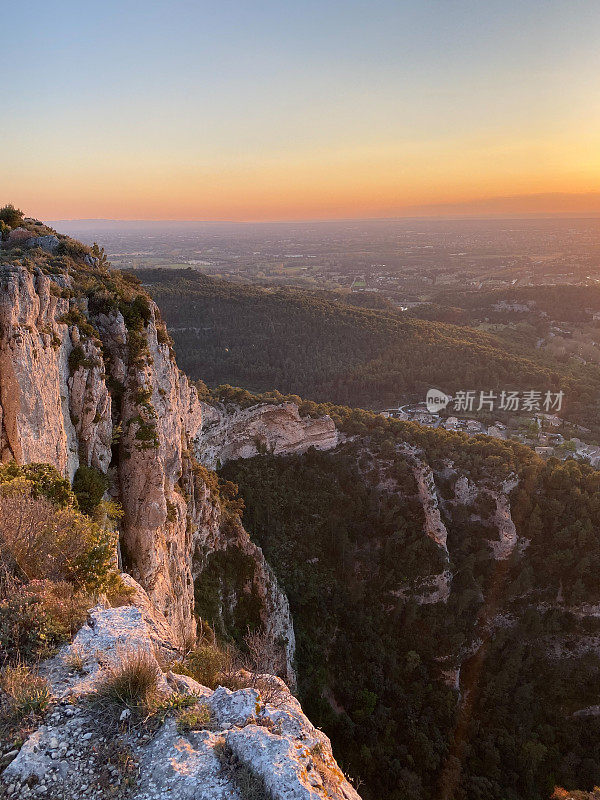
(548, 434)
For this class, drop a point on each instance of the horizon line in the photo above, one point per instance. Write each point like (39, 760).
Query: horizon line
(306, 220)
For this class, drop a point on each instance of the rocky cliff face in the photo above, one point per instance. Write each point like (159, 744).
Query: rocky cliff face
(277, 429)
(34, 373)
(83, 383)
(237, 740)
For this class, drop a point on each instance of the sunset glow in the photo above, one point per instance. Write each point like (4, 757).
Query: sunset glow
(336, 109)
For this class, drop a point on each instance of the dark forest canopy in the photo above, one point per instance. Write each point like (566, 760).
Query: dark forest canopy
(381, 688)
(325, 349)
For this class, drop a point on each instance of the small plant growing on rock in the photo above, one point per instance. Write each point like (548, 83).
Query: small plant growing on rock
(250, 785)
(196, 718)
(76, 658)
(328, 770)
(131, 682)
(78, 358)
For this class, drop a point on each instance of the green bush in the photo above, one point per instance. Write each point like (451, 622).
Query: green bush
(89, 485)
(137, 313)
(78, 358)
(197, 718)
(38, 617)
(73, 249)
(11, 216)
(75, 316)
(208, 663)
(146, 433)
(43, 480)
(45, 541)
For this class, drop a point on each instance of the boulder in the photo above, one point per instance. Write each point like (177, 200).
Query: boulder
(47, 243)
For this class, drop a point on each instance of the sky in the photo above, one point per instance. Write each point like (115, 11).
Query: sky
(253, 110)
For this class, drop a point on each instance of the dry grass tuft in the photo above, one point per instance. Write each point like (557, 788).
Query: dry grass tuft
(130, 682)
(23, 691)
(76, 658)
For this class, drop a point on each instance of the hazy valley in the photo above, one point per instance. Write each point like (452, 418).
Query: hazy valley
(430, 596)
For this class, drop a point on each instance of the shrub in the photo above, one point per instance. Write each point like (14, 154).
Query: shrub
(72, 248)
(42, 541)
(38, 617)
(76, 317)
(130, 682)
(11, 216)
(162, 336)
(171, 512)
(43, 480)
(137, 314)
(146, 433)
(206, 664)
(89, 485)
(78, 358)
(138, 347)
(99, 253)
(262, 661)
(263, 653)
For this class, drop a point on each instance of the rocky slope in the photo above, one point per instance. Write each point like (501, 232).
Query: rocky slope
(240, 740)
(88, 377)
(89, 384)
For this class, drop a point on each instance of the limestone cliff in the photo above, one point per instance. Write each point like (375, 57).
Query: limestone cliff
(88, 378)
(277, 429)
(249, 737)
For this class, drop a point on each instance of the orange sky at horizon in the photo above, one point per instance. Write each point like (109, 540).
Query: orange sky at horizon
(425, 178)
(313, 109)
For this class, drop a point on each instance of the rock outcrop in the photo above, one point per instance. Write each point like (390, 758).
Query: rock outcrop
(34, 350)
(244, 738)
(265, 428)
(82, 386)
(88, 380)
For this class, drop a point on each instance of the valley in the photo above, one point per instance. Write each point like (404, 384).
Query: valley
(430, 595)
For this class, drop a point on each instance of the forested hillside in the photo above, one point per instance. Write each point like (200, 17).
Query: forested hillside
(327, 350)
(483, 694)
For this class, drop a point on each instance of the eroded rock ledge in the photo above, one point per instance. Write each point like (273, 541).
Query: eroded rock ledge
(265, 428)
(271, 743)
